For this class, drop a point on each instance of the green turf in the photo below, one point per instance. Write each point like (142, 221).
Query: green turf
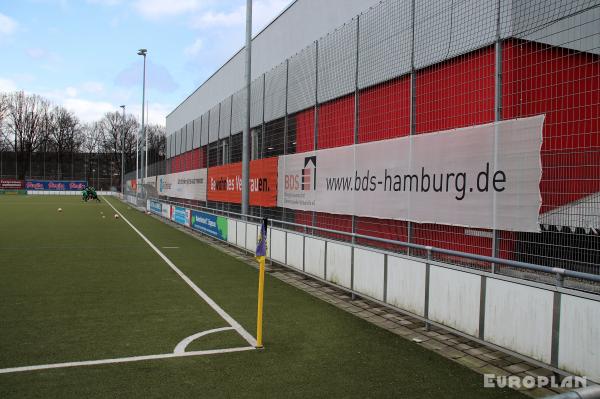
(76, 286)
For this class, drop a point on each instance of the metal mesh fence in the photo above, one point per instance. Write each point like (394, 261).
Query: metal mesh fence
(99, 170)
(407, 68)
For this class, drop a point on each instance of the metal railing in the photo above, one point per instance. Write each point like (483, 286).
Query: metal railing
(558, 273)
(472, 303)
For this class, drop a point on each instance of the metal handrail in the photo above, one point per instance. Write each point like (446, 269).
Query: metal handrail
(590, 392)
(558, 272)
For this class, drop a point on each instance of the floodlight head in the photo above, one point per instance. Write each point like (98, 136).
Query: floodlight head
(122, 106)
(142, 51)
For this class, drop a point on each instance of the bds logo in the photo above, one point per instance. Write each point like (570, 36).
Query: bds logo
(307, 179)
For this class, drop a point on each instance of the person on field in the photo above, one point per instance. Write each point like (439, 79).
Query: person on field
(90, 193)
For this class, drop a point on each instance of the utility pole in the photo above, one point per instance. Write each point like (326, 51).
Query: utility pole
(122, 151)
(246, 133)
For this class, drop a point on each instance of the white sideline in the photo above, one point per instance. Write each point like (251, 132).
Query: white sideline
(180, 348)
(232, 322)
(123, 360)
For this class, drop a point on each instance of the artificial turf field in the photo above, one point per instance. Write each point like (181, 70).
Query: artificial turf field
(77, 287)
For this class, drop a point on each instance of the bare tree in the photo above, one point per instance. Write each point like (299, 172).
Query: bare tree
(119, 134)
(23, 120)
(4, 144)
(64, 127)
(92, 144)
(42, 139)
(157, 142)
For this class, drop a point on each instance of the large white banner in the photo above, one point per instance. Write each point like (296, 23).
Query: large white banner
(188, 185)
(486, 176)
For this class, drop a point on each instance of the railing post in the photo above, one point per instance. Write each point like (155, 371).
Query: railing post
(426, 305)
(497, 118)
(560, 276)
(352, 295)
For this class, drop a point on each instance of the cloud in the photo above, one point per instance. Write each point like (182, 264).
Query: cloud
(71, 91)
(36, 53)
(104, 2)
(7, 85)
(156, 115)
(7, 25)
(193, 49)
(47, 59)
(155, 9)
(263, 12)
(93, 87)
(88, 110)
(211, 19)
(157, 77)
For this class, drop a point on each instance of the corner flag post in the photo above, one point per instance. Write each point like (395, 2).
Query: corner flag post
(261, 253)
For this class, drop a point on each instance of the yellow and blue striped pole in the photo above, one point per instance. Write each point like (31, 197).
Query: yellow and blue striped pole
(261, 288)
(261, 253)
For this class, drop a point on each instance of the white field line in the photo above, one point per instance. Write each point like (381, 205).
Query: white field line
(232, 322)
(180, 348)
(123, 360)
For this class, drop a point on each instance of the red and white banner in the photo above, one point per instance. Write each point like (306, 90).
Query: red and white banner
(485, 176)
(11, 184)
(225, 183)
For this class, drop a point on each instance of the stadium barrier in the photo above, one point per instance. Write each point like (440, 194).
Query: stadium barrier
(75, 193)
(549, 325)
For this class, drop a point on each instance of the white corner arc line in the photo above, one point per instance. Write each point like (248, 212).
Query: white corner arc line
(232, 322)
(180, 348)
(123, 360)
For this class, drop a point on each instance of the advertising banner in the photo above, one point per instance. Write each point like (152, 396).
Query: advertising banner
(212, 225)
(225, 183)
(180, 215)
(154, 207)
(11, 184)
(190, 185)
(131, 186)
(485, 176)
(165, 210)
(55, 185)
(149, 181)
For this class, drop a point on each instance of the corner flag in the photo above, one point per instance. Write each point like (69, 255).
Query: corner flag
(261, 246)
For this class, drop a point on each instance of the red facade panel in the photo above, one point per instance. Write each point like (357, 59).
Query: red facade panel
(334, 222)
(303, 218)
(305, 130)
(388, 229)
(189, 160)
(565, 86)
(336, 123)
(456, 93)
(384, 111)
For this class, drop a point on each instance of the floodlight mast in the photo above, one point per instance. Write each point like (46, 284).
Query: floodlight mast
(143, 53)
(123, 152)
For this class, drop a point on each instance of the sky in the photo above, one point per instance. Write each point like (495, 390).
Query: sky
(82, 54)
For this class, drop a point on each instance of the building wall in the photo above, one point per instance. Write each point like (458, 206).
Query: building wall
(312, 98)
